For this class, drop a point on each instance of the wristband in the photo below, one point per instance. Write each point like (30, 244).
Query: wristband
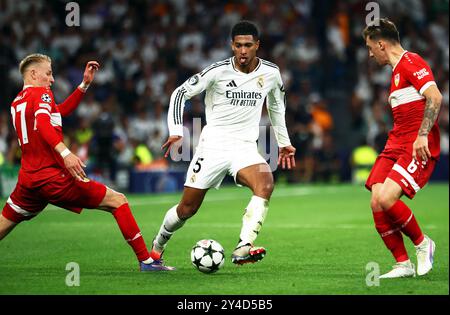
(83, 86)
(65, 153)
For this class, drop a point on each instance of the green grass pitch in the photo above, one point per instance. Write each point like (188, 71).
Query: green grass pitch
(319, 240)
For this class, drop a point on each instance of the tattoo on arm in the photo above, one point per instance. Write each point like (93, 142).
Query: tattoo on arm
(429, 117)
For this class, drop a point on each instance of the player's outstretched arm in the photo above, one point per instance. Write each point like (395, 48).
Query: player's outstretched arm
(286, 157)
(72, 102)
(432, 107)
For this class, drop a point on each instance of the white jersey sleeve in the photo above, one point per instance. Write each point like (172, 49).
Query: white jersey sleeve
(276, 108)
(191, 87)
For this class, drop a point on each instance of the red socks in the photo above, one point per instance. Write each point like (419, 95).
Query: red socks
(390, 235)
(130, 231)
(403, 218)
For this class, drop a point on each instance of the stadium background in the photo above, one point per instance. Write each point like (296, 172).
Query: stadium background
(319, 233)
(336, 98)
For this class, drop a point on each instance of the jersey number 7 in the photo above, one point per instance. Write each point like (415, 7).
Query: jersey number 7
(23, 125)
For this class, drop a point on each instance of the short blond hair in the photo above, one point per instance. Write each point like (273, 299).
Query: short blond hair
(32, 59)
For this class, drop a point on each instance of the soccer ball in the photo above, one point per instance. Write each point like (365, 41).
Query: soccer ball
(207, 256)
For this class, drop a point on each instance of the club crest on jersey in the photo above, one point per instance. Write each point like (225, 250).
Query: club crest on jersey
(193, 178)
(193, 80)
(46, 98)
(397, 79)
(260, 82)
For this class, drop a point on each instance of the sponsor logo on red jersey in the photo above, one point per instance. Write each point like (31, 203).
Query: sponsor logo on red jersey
(421, 73)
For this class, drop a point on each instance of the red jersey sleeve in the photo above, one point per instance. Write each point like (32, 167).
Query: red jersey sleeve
(418, 73)
(71, 103)
(43, 104)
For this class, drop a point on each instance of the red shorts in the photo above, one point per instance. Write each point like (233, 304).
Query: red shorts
(399, 166)
(63, 191)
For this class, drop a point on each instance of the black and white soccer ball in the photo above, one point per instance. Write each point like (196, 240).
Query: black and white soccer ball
(207, 256)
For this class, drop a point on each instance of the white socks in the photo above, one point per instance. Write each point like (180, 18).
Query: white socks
(254, 216)
(170, 224)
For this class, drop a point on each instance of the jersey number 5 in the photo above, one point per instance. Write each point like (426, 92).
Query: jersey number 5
(23, 125)
(198, 166)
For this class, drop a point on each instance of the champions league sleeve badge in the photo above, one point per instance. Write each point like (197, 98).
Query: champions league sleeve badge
(46, 98)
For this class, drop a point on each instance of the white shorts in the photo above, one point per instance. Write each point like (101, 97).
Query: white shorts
(209, 166)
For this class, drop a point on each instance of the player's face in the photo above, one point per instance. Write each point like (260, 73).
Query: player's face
(244, 48)
(377, 51)
(42, 74)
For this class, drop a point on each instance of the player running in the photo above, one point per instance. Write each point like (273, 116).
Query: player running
(49, 172)
(235, 92)
(411, 151)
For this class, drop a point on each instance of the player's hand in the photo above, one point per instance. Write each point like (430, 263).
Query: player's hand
(75, 166)
(420, 149)
(172, 140)
(89, 72)
(286, 157)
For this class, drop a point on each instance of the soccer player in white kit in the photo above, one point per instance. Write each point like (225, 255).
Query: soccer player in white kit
(235, 92)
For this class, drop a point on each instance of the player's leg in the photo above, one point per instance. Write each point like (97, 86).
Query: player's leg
(23, 204)
(410, 176)
(259, 179)
(6, 226)
(117, 204)
(207, 169)
(175, 218)
(390, 234)
(72, 194)
(399, 213)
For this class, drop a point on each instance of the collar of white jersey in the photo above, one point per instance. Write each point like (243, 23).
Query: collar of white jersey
(401, 56)
(254, 70)
(26, 86)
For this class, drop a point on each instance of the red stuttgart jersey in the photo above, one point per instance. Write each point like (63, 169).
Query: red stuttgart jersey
(40, 161)
(411, 76)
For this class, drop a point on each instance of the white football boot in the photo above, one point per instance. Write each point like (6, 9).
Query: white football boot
(400, 270)
(247, 254)
(425, 254)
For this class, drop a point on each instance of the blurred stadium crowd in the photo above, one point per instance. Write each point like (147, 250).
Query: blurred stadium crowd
(336, 98)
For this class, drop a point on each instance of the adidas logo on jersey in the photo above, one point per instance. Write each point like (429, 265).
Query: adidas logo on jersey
(231, 84)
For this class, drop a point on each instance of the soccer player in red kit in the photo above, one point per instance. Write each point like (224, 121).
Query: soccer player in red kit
(49, 172)
(411, 151)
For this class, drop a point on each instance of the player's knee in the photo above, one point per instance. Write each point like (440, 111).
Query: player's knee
(265, 189)
(385, 202)
(186, 210)
(374, 204)
(119, 199)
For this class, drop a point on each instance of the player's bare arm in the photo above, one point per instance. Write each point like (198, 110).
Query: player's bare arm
(72, 162)
(286, 157)
(172, 140)
(431, 112)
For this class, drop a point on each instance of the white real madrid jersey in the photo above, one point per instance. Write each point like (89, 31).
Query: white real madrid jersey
(233, 101)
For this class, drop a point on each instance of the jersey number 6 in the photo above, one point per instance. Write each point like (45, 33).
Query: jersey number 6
(412, 167)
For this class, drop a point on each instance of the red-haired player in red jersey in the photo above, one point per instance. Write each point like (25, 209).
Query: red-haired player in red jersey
(411, 151)
(49, 172)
